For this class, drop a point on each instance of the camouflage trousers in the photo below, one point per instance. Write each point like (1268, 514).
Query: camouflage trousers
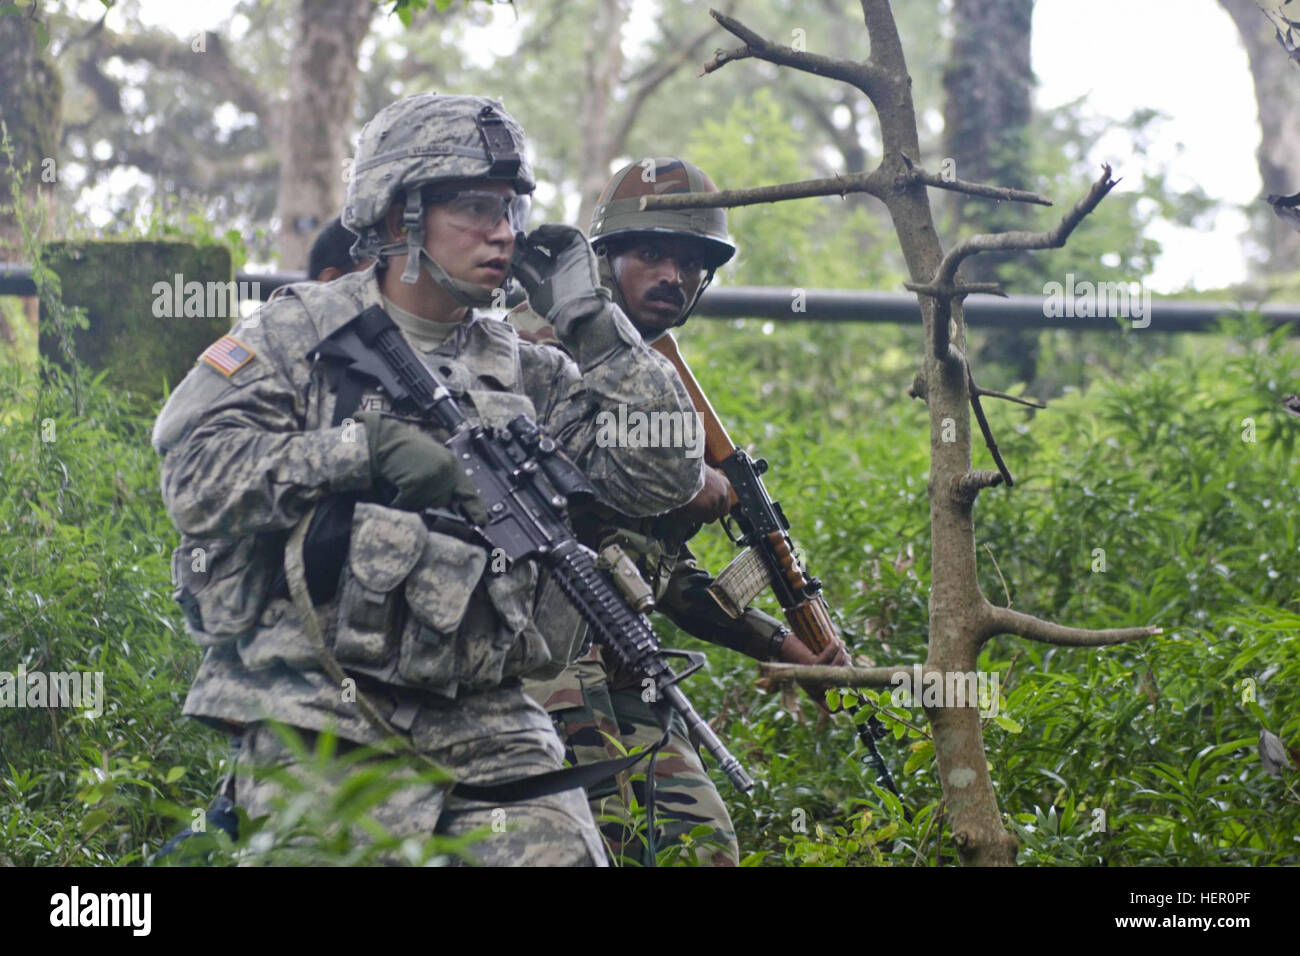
(555, 830)
(587, 714)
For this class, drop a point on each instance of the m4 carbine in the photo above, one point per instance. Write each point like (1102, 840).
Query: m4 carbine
(525, 481)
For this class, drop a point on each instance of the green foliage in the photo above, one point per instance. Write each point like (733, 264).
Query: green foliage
(30, 220)
(1199, 535)
(321, 816)
(799, 243)
(195, 226)
(406, 9)
(84, 547)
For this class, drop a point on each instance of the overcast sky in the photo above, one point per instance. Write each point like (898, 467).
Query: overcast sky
(1181, 57)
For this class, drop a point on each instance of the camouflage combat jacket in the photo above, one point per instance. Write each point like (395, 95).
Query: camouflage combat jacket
(658, 546)
(249, 449)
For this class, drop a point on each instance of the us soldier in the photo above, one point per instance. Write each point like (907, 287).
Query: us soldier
(431, 639)
(656, 264)
(331, 253)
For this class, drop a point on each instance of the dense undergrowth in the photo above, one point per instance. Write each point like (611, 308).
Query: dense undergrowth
(1141, 754)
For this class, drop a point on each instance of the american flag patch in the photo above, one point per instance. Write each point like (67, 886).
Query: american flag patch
(227, 355)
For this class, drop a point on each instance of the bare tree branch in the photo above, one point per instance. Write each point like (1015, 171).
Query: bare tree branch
(985, 429)
(915, 174)
(1003, 620)
(956, 289)
(967, 487)
(989, 440)
(980, 392)
(821, 677)
(872, 183)
(1052, 239)
(886, 44)
(865, 76)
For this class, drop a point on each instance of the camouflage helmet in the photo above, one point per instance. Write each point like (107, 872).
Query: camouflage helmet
(422, 139)
(427, 138)
(618, 210)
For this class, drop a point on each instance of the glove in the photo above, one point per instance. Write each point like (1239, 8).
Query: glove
(425, 472)
(557, 268)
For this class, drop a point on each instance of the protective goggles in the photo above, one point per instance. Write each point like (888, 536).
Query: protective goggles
(481, 211)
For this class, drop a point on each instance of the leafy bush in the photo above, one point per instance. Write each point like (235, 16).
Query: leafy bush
(1180, 477)
(1199, 536)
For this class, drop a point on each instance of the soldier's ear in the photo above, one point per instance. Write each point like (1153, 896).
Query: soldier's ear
(393, 228)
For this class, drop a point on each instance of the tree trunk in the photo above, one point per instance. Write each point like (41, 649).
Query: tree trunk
(961, 617)
(1277, 96)
(989, 84)
(604, 56)
(31, 108)
(322, 94)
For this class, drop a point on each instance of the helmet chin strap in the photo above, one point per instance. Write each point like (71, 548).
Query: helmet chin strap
(605, 270)
(698, 292)
(464, 293)
(605, 267)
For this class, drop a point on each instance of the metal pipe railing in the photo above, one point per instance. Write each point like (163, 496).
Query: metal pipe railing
(842, 305)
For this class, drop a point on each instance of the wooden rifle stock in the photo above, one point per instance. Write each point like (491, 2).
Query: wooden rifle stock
(809, 619)
(800, 599)
(718, 446)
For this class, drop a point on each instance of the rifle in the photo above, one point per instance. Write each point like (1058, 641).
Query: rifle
(525, 482)
(769, 558)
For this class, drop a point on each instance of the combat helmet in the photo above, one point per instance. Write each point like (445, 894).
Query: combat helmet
(419, 140)
(618, 214)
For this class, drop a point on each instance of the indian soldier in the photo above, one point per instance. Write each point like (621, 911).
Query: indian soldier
(431, 638)
(331, 254)
(656, 264)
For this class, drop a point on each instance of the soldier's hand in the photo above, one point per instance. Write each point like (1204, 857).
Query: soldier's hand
(713, 501)
(557, 268)
(424, 471)
(795, 651)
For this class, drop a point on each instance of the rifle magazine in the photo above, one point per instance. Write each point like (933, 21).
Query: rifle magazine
(739, 583)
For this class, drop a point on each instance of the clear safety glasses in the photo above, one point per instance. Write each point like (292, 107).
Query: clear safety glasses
(482, 211)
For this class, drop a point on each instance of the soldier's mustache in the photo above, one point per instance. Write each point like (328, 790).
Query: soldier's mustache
(666, 294)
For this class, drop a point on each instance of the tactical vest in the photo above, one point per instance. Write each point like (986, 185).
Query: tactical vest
(414, 608)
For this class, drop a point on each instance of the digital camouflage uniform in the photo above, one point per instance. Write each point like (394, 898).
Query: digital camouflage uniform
(433, 637)
(592, 703)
